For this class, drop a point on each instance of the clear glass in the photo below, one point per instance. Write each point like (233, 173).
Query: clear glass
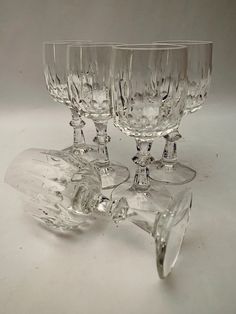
(55, 72)
(148, 96)
(63, 192)
(169, 232)
(89, 87)
(50, 180)
(199, 69)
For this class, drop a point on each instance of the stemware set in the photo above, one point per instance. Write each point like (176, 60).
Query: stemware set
(146, 89)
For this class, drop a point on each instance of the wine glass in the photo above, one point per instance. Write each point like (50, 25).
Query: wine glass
(55, 72)
(199, 69)
(63, 193)
(148, 94)
(89, 88)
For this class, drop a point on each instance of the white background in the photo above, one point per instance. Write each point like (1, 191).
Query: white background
(107, 269)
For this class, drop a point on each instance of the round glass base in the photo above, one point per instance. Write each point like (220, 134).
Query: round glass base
(88, 152)
(113, 175)
(171, 174)
(170, 230)
(154, 199)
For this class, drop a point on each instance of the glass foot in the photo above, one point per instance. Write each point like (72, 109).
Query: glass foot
(155, 199)
(113, 175)
(171, 174)
(169, 232)
(88, 152)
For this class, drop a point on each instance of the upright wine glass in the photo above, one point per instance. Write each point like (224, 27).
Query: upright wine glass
(55, 72)
(148, 94)
(89, 88)
(199, 69)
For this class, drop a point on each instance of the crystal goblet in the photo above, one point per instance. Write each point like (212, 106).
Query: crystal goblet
(55, 72)
(148, 94)
(63, 192)
(199, 69)
(89, 88)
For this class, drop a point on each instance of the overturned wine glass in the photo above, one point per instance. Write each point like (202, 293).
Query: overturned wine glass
(65, 194)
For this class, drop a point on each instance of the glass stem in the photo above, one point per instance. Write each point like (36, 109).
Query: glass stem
(169, 156)
(102, 139)
(142, 159)
(77, 123)
(116, 209)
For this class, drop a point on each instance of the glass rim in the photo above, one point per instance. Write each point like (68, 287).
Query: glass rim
(185, 42)
(65, 41)
(96, 44)
(152, 46)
